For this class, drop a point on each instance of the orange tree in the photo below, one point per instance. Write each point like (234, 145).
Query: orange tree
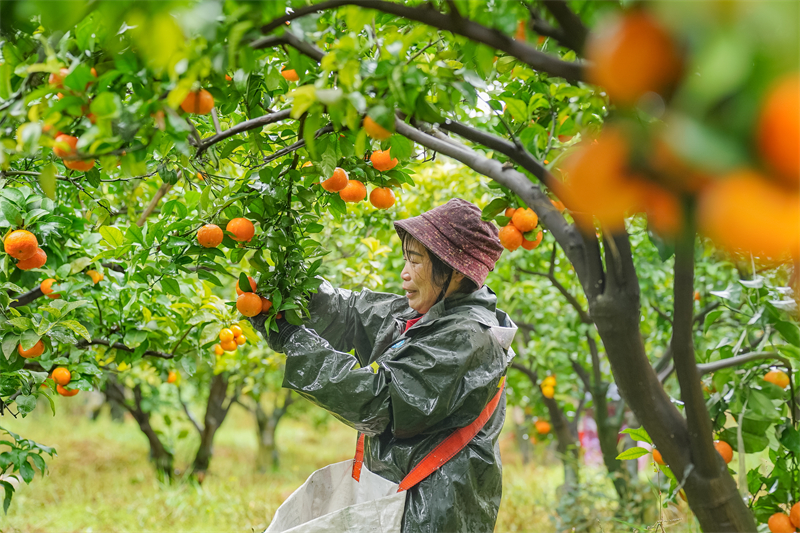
(216, 119)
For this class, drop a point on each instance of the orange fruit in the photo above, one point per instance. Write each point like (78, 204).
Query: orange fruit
(64, 392)
(794, 514)
(57, 79)
(200, 176)
(249, 304)
(780, 523)
(725, 450)
(657, 458)
(62, 376)
(510, 237)
(510, 212)
(530, 245)
(664, 211)
(632, 55)
(229, 346)
(37, 260)
(777, 377)
(252, 287)
(240, 340)
(337, 182)
(210, 236)
(228, 78)
(266, 305)
(747, 212)
(696, 296)
(242, 229)
(226, 335)
(778, 129)
(354, 192)
(375, 130)
(172, 377)
(382, 160)
(549, 380)
(21, 244)
(79, 165)
(597, 180)
(524, 219)
(71, 145)
(218, 349)
(558, 205)
(96, 276)
(542, 426)
(520, 35)
(290, 74)
(548, 391)
(47, 289)
(35, 351)
(381, 197)
(237, 331)
(198, 103)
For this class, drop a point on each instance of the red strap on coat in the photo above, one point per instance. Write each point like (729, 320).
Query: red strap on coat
(443, 452)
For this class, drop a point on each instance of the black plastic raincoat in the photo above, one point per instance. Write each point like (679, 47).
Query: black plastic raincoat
(409, 391)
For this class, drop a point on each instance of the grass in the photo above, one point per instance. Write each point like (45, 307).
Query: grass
(102, 480)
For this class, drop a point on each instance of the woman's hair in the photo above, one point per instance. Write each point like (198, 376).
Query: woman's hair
(441, 273)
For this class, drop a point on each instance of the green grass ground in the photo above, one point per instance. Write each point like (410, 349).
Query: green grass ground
(101, 480)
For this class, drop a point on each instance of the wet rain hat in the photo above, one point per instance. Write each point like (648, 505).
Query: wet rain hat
(455, 233)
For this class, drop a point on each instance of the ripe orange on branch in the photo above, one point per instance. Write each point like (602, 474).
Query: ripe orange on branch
(266, 305)
(725, 450)
(510, 212)
(57, 79)
(337, 182)
(382, 160)
(543, 427)
(530, 245)
(239, 291)
(69, 141)
(96, 276)
(375, 130)
(199, 103)
(242, 229)
(47, 289)
(290, 74)
(354, 192)
(225, 335)
(510, 237)
(249, 304)
(631, 55)
(525, 219)
(777, 377)
(794, 514)
(382, 197)
(34, 351)
(210, 236)
(780, 523)
(657, 458)
(21, 244)
(64, 392)
(237, 331)
(62, 376)
(778, 130)
(172, 377)
(37, 260)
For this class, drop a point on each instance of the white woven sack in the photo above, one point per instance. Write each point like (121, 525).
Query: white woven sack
(331, 501)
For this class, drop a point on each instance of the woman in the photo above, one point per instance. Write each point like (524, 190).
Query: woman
(425, 364)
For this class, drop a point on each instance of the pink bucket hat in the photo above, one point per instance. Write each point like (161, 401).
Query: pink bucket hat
(455, 233)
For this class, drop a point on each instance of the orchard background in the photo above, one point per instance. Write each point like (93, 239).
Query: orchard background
(641, 160)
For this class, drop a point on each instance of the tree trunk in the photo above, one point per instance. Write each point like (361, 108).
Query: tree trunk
(159, 455)
(216, 411)
(267, 424)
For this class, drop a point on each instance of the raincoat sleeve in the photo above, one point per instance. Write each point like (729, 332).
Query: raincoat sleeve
(348, 319)
(441, 380)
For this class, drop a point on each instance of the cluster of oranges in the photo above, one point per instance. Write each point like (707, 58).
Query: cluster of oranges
(549, 386)
(355, 191)
(241, 230)
(522, 221)
(783, 523)
(251, 304)
(22, 245)
(229, 340)
(62, 377)
(633, 56)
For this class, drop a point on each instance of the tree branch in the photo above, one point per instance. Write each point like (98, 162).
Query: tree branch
(247, 125)
(297, 145)
(27, 297)
(582, 314)
(454, 24)
(189, 414)
(573, 28)
(707, 368)
(163, 190)
(288, 38)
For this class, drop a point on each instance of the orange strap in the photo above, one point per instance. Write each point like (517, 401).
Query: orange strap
(443, 452)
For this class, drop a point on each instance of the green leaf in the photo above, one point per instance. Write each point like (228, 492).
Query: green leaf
(517, 109)
(244, 283)
(789, 331)
(711, 318)
(106, 105)
(303, 98)
(293, 317)
(10, 342)
(495, 207)
(11, 213)
(632, 453)
(47, 181)
(790, 438)
(8, 488)
(76, 327)
(171, 286)
(637, 434)
(113, 236)
(401, 147)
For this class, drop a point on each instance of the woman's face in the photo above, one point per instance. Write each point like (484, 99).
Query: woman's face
(418, 280)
